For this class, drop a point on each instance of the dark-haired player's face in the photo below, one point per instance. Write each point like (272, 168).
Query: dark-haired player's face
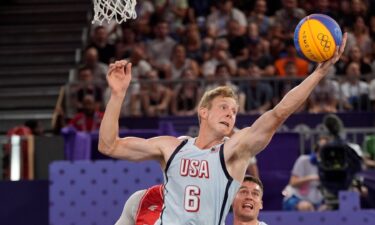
(248, 201)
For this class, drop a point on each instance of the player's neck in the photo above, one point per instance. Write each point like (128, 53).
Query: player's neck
(239, 222)
(207, 141)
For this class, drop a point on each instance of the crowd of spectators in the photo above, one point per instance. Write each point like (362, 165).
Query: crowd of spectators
(187, 46)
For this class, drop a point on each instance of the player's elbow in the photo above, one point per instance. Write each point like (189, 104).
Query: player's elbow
(106, 148)
(280, 112)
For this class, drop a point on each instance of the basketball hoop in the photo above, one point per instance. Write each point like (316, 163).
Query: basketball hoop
(120, 10)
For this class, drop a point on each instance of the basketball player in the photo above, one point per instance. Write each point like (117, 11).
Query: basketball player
(202, 174)
(248, 202)
(144, 207)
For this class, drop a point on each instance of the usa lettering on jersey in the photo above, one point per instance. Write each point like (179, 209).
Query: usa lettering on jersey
(194, 168)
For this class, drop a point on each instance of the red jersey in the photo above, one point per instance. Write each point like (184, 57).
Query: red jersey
(150, 206)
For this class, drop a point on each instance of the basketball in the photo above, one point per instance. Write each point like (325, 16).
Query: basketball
(316, 37)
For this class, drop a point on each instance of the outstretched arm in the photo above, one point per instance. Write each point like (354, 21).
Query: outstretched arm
(130, 148)
(118, 80)
(260, 133)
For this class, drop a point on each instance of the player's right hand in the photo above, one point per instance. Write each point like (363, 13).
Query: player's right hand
(119, 77)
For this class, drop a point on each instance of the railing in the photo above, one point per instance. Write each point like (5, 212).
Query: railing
(308, 138)
(362, 104)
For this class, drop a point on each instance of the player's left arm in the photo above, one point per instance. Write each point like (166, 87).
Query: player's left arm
(251, 140)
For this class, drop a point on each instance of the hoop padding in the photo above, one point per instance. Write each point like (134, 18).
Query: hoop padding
(120, 10)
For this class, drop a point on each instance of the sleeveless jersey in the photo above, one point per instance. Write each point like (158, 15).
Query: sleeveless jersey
(198, 189)
(150, 206)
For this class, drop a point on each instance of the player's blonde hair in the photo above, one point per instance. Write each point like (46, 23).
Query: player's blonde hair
(222, 91)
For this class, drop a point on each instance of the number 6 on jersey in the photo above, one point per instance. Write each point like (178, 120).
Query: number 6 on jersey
(191, 199)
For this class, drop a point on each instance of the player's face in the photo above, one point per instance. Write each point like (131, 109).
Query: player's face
(248, 201)
(222, 114)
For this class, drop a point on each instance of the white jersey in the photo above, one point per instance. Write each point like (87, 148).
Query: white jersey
(198, 189)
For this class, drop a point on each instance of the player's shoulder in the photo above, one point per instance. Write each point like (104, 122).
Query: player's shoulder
(169, 141)
(183, 137)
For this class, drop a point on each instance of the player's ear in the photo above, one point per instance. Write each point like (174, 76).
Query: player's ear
(261, 204)
(202, 111)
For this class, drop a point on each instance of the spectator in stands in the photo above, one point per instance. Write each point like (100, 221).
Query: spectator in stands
(276, 32)
(179, 63)
(86, 85)
(113, 29)
(258, 94)
(362, 36)
(258, 16)
(173, 12)
(248, 202)
(324, 97)
(256, 52)
(252, 34)
(138, 59)
(160, 48)
(136, 91)
(219, 55)
(198, 10)
(218, 19)
(157, 97)
(222, 77)
(125, 45)
(354, 92)
(99, 41)
(302, 65)
(236, 40)
(35, 126)
(302, 192)
(144, 9)
(90, 118)
(193, 42)
(355, 55)
(99, 69)
(323, 7)
(289, 16)
(186, 96)
(285, 85)
(350, 9)
(306, 5)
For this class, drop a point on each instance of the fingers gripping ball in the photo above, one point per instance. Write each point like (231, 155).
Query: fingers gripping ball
(316, 37)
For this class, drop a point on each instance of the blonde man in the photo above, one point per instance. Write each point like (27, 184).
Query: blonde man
(202, 174)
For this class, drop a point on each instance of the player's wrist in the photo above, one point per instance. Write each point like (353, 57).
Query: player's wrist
(118, 96)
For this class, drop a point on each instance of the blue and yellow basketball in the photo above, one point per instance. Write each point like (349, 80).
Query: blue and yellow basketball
(316, 37)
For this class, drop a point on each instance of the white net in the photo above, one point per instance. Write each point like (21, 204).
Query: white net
(120, 10)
